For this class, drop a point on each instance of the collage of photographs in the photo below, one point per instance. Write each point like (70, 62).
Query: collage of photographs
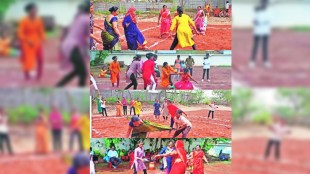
(154, 87)
(161, 87)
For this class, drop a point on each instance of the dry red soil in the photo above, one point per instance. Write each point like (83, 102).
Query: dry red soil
(217, 37)
(248, 157)
(288, 52)
(220, 79)
(203, 127)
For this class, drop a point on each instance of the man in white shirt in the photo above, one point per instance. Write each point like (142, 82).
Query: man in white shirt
(103, 106)
(4, 132)
(206, 67)
(227, 6)
(113, 155)
(212, 109)
(262, 30)
(182, 124)
(278, 130)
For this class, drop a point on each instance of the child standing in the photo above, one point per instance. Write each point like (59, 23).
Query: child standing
(206, 67)
(156, 109)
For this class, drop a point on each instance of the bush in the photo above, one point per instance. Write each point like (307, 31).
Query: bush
(22, 114)
(263, 117)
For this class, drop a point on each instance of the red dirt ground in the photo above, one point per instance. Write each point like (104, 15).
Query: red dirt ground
(248, 157)
(11, 74)
(214, 168)
(289, 52)
(25, 164)
(203, 127)
(218, 37)
(220, 79)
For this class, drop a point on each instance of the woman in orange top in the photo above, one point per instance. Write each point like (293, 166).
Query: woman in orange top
(41, 134)
(166, 75)
(119, 108)
(31, 36)
(115, 71)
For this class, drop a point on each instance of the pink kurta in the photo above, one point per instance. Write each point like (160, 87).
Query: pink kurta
(140, 166)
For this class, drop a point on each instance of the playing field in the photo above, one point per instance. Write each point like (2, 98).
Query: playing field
(220, 79)
(288, 53)
(217, 37)
(203, 127)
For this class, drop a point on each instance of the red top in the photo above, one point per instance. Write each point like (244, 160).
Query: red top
(148, 70)
(172, 110)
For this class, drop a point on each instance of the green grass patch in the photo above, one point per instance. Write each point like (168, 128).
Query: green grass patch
(301, 28)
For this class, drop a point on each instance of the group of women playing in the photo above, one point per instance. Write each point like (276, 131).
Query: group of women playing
(135, 106)
(111, 35)
(146, 70)
(175, 158)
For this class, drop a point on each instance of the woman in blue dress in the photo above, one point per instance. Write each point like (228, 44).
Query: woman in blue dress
(111, 35)
(132, 32)
(156, 109)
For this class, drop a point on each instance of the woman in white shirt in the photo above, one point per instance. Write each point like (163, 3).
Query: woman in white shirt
(4, 132)
(206, 67)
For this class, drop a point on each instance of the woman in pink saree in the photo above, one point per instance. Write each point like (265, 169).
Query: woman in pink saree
(200, 21)
(165, 18)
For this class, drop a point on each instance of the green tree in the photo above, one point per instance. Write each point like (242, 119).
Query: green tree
(223, 97)
(100, 58)
(5, 4)
(241, 103)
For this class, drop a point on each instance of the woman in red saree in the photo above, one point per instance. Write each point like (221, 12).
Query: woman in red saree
(198, 157)
(165, 18)
(179, 158)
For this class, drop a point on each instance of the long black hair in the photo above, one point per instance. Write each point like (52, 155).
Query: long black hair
(113, 9)
(180, 11)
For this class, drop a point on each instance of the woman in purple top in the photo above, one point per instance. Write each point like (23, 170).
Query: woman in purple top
(138, 159)
(74, 47)
(132, 72)
(124, 102)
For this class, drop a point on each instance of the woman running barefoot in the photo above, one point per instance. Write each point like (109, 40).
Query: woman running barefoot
(111, 35)
(185, 83)
(165, 21)
(132, 32)
(184, 36)
(156, 109)
(133, 71)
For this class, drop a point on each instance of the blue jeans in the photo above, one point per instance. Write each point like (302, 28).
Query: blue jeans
(115, 161)
(191, 71)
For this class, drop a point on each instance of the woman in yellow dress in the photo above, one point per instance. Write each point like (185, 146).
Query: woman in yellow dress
(184, 36)
(138, 107)
(84, 123)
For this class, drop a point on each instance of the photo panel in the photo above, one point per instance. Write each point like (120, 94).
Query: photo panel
(155, 155)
